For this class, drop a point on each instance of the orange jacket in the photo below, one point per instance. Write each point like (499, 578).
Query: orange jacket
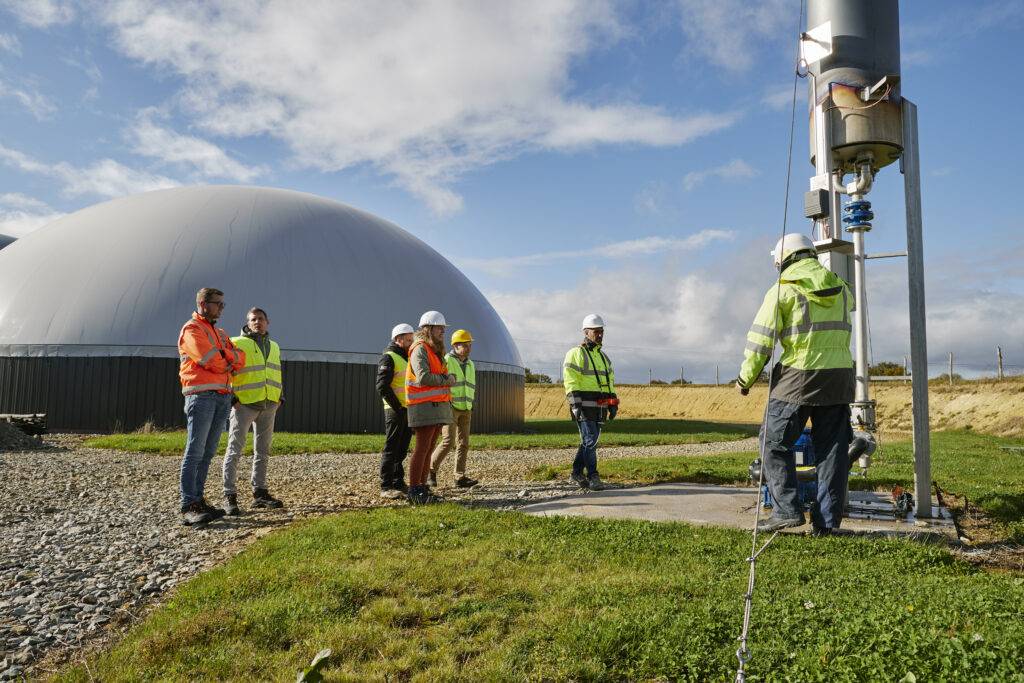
(208, 358)
(417, 393)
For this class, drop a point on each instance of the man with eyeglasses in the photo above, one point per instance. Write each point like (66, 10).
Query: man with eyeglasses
(208, 361)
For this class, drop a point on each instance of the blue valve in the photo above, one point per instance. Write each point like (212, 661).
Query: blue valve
(858, 215)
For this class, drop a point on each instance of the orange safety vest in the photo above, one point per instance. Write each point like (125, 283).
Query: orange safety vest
(208, 358)
(419, 393)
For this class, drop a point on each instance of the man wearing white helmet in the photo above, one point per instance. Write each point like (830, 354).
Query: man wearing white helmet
(808, 312)
(429, 397)
(397, 434)
(590, 390)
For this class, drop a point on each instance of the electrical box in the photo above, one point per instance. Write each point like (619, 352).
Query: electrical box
(816, 204)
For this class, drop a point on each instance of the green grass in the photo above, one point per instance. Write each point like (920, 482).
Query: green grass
(963, 462)
(446, 593)
(538, 434)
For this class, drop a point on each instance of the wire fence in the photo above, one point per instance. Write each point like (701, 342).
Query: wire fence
(700, 366)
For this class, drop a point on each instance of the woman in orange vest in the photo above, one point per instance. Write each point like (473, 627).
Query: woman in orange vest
(428, 391)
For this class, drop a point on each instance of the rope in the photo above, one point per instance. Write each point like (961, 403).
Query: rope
(743, 654)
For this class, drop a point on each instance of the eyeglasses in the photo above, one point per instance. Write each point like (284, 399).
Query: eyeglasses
(216, 303)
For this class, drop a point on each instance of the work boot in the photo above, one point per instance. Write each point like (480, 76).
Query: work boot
(231, 505)
(821, 531)
(392, 494)
(261, 498)
(595, 483)
(194, 514)
(465, 482)
(580, 480)
(418, 495)
(774, 523)
(216, 512)
(432, 479)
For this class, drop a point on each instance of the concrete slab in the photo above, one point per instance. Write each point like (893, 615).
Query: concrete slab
(731, 506)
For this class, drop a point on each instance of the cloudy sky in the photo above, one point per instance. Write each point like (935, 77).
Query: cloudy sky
(626, 158)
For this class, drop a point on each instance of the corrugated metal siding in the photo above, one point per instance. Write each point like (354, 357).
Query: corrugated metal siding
(123, 393)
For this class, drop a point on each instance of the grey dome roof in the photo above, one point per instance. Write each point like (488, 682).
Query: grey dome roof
(5, 240)
(119, 278)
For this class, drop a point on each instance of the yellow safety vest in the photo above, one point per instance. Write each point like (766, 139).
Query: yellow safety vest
(464, 389)
(398, 379)
(260, 379)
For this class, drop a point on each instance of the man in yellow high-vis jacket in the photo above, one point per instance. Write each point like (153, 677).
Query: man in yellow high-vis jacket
(463, 395)
(808, 312)
(397, 434)
(258, 391)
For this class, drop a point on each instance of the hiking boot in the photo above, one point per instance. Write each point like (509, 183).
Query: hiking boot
(578, 479)
(261, 498)
(194, 514)
(231, 505)
(595, 483)
(465, 482)
(392, 494)
(432, 479)
(774, 523)
(417, 495)
(216, 512)
(820, 531)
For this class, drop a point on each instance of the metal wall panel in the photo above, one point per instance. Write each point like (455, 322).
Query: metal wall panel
(98, 394)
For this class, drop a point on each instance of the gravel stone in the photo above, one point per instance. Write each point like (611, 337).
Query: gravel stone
(90, 538)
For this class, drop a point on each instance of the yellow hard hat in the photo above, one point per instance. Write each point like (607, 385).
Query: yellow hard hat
(461, 336)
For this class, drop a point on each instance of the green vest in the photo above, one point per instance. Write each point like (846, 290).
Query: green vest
(464, 389)
(398, 379)
(588, 370)
(260, 379)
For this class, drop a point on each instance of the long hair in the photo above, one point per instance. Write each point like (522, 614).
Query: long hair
(422, 335)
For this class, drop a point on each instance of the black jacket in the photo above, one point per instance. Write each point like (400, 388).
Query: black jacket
(385, 372)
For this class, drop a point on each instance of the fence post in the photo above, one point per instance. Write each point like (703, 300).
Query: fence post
(999, 361)
(716, 375)
(950, 368)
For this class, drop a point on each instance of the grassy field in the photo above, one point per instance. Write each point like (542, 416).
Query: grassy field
(445, 593)
(538, 434)
(963, 463)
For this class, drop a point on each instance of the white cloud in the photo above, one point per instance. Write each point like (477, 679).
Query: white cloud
(20, 215)
(422, 92)
(35, 102)
(10, 43)
(644, 246)
(209, 160)
(662, 319)
(105, 178)
(728, 32)
(780, 97)
(39, 13)
(733, 170)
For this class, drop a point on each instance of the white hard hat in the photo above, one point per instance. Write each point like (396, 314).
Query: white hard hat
(593, 320)
(791, 244)
(432, 318)
(401, 328)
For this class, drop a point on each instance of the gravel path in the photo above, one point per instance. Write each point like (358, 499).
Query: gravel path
(89, 538)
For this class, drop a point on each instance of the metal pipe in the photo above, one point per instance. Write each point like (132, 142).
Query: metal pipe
(911, 167)
(860, 326)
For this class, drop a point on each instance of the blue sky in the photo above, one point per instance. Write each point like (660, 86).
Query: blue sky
(625, 158)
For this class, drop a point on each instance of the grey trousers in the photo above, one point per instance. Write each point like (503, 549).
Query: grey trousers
(830, 433)
(243, 418)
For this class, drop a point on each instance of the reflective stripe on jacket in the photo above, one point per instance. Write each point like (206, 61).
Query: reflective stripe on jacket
(416, 392)
(464, 389)
(589, 381)
(260, 379)
(398, 378)
(207, 357)
(813, 326)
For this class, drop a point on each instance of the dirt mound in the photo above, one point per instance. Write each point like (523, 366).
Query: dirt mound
(13, 439)
(985, 406)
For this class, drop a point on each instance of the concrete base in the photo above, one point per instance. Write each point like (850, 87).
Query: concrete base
(731, 506)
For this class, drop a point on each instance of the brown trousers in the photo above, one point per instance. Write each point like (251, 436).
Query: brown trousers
(457, 433)
(426, 437)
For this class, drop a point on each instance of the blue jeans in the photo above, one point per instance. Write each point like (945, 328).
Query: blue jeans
(830, 433)
(207, 413)
(586, 455)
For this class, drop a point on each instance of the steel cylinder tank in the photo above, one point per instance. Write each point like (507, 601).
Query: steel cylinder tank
(865, 49)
